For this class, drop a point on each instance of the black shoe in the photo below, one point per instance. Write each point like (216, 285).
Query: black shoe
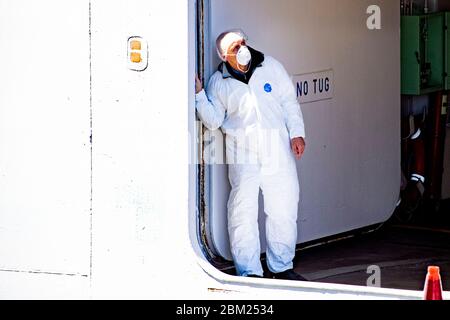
(253, 276)
(289, 275)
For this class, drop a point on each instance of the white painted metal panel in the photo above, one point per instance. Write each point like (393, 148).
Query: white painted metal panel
(350, 174)
(44, 136)
(140, 151)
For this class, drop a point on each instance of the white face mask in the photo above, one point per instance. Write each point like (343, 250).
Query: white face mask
(243, 56)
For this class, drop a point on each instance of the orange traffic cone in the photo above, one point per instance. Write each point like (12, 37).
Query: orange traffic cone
(433, 285)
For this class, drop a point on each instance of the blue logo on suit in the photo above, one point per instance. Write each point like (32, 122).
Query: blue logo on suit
(267, 88)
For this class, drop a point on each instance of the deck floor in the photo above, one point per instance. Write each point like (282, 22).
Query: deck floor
(402, 251)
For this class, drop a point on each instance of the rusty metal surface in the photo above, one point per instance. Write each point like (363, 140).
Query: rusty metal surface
(202, 175)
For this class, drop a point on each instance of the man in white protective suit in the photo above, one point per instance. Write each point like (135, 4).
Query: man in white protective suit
(253, 100)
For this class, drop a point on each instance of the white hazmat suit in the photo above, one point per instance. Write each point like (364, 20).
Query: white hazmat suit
(259, 120)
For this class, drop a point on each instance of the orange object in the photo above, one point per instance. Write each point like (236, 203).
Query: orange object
(135, 45)
(135, 57)
(433, 284)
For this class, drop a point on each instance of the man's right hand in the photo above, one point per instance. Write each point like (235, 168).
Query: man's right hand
(298, 147)
(198, 84)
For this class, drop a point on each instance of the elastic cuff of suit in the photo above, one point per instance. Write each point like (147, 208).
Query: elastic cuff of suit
(201, 95)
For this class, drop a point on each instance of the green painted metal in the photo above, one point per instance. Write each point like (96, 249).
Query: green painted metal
(447, 53)
(435, 51)
(424, 53)
(410, 50)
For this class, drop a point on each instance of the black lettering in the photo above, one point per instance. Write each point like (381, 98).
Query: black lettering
(321, 85)
(299, 89)
(327, 84)
(302, 88)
